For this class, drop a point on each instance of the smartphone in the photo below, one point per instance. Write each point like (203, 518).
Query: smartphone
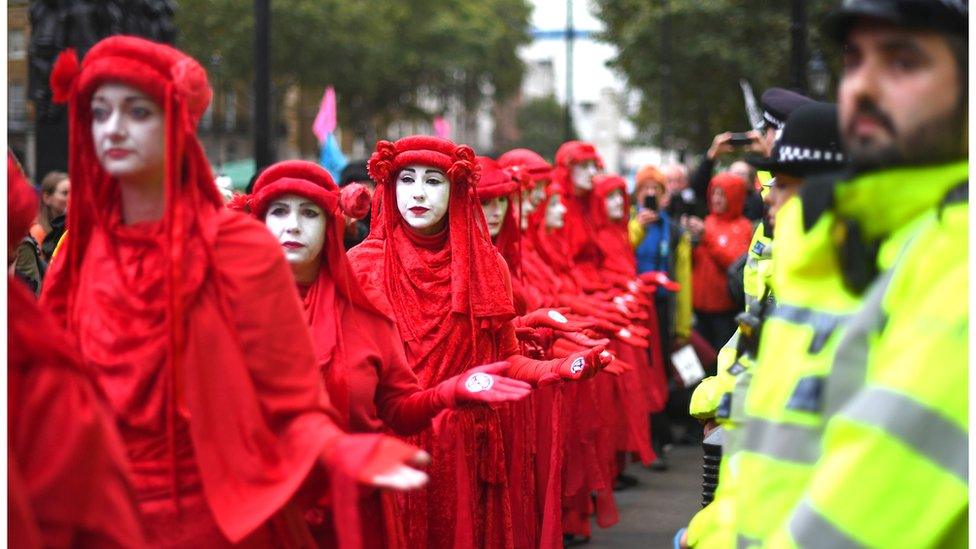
(650, 202)
(740, 139)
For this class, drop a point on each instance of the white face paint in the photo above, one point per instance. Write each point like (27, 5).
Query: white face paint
(583, 173)
(299, 225)
(422, 195)
(538, 192)
(555, 213)
(495, 210)
(127, 129)
(615, 205)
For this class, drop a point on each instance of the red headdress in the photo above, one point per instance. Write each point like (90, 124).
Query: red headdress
(149, 281)
(430, 283)
(323, 307)
(579, 229)
(477, 287)
(527, 160)
(611, 235)
(495, 183)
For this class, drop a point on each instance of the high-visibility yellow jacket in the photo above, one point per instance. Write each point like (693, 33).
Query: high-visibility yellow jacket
(782, 414)
(893, 464)
(711, 399)
(721, 396)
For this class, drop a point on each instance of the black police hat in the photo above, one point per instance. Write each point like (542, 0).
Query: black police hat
(942, 15)
(777, 104)
(810, 143)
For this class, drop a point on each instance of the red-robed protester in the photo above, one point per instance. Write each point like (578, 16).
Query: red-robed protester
(66, 466)
(358, 348)
(186, 313)
(645, 386)
(429, 265)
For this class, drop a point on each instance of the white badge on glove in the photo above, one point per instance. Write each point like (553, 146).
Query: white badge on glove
(557, 316)
(624, 332)
(479, 382)
(577, 365)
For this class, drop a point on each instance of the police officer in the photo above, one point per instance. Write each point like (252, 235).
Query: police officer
(891, 467)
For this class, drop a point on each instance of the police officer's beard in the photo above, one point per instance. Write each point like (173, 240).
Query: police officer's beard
(937, 140)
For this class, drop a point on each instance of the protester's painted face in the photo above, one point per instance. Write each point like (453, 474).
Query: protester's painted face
(299, 225)
(900, 99)
(422, 195)
(127, 129)
(582, 174)
(615, 205)
(495, 210)
(555, 213)
(717, 202)
(538, 192)
(57, 200)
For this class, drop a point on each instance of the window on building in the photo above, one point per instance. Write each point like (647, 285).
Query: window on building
(16, 103)
(16, 45)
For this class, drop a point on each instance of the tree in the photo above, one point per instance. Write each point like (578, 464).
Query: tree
(386, 58)
(712, 45)
(540, 123)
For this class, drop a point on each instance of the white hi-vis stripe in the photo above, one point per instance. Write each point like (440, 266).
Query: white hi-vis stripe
(811, 530)
(781, 441)
(925, 431)
(823, 324)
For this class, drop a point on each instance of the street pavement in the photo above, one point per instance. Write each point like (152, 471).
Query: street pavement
(652, 511)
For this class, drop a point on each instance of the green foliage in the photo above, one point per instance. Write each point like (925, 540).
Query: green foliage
(382, 56)
(540, 123)
(713, 45)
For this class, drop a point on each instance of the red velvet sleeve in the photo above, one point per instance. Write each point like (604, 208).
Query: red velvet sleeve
(400, 402)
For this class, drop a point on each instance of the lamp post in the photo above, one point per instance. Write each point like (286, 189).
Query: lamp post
(568, 116)
(216, 63)
(262, 84)
(798, 57)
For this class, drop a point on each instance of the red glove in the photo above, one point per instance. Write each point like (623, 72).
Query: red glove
(631, 338)
(581, 365)
(482, 384)
(354, 200)
(660, 278)
(562, 348)
(618, 367)
(579, 338)
(551, 318)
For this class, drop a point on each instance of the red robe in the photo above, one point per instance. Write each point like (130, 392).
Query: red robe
(66, 464)
(369, 380)
(249, 418)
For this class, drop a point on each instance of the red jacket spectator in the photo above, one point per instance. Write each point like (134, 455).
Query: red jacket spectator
(726, 237)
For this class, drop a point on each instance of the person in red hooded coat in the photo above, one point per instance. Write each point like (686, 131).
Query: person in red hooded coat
(357, 347)
(66, 465)
(186, 314)
(429, 265)
(724, 239)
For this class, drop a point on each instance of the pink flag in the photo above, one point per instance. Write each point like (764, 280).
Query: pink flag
(325, 120)
(442, 128)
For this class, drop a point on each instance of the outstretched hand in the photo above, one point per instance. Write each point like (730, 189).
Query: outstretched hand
(379, 460)
(552, 318)
(487, 384)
